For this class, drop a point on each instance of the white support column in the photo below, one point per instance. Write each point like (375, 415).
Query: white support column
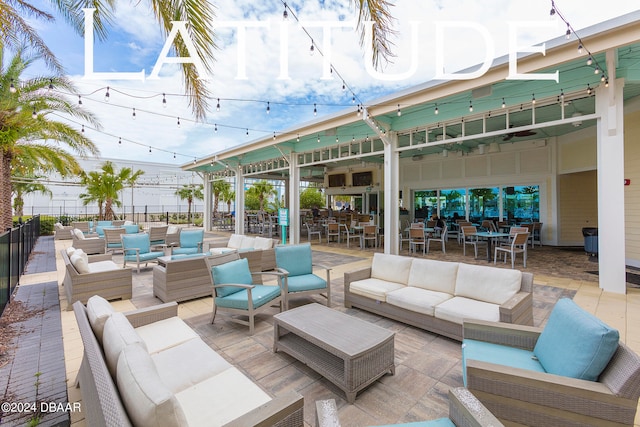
(294, 200)
(610, 155)
(208, 196)
(239, 201)
(391, 192)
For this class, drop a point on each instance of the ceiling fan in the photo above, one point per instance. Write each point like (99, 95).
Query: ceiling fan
(518, 134)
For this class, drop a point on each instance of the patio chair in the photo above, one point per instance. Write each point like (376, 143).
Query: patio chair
(235, 292)
(295, 261)
(90, 245)
(518, 246)
(350, 233)
(158, 235)
(82, 226)
(536, 236)
(442, 239)
(311, 231)
(112, 238)
(137, 248)
(190, 242)
(416, 238)
(333, 230)
(370, 233)
(574, 372)
(469, 238)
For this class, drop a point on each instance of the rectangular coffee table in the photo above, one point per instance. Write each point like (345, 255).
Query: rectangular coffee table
(349, 352)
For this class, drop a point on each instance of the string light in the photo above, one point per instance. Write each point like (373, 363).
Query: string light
(580, 47)
(50, 85)
(34, 115)
(215, 128)
(503, 104)
(568, 33)
(596, 70)
(533, 98)
(164, 101)
(174, 155)
(588, 89)
(315, 110)
(218, 105)
(470, 107)
(399, 112)
(318, 139)
(311, 49)
(149, 149)
(106, 95)
(12, 87)
(268, 108)
(178, 122)
(133, 114)
(344, 86)
(82, 130)
(79, 100)
(274, 135)
(298, 138)
(247, 132)
(589, 60)
(119, 141)
(285, 14)
(436, 111)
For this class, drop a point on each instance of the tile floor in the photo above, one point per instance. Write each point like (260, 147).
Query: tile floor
(427, 365)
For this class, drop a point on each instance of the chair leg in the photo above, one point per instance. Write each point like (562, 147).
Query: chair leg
(215, 309)
(495, 256)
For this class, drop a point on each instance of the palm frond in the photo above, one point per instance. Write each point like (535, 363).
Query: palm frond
(378, 12)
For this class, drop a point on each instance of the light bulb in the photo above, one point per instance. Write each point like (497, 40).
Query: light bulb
(79, 100)
(120, 141)
(12, 87)
(399, 112)
(315, 110)
(298, 138)
(218, 105)
(344, 86)
(133, 114)
(268, 108)
(274, 136)
(82, 130)
(164, 101)
(149, 149)
(503, 104)
(174, 155)
(533, 99)
(436, 111)
(311, 49)
(596, 70)
(34, 115)
(215, 128)
(178, 122)
(470, 107)
(285, 14)
(580, 48)
(247, 132)
(50, 88)
(589, 60)
(106, 95)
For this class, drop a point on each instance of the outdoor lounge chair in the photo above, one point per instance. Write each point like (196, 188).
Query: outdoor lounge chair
(296, 263)
(573, 372)
(190, 242)
(112, 238)
(137, 248)
(158, 235)
(90, 245)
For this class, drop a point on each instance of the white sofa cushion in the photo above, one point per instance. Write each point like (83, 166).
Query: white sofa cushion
(218, 251)
(262, 243)
(78, 233)
(235, 241)
(489, 284)
(116, 335)
(148, 401)
(98, 311)
(165, 334)
(417, 299)
(376, 289)
(434, 275)
(80, 261)
(392, 268)
(201, 363)
(220, 399)
(100, 266)
(457, 309)
(70, 251)
(247, 242)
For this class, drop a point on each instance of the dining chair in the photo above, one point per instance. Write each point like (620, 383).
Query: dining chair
(442, 239)
(349, 234)
(536, 237)
(469, 238)
(506, 241)
(529, 227)
(518, 246)
(416, 238)
(488, 225)
(369, 233)
(312, 231)
(333, 230)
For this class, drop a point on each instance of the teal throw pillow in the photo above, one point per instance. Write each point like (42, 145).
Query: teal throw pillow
(236, 272)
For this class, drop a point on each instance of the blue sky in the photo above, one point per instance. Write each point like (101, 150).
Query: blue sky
(134, 43)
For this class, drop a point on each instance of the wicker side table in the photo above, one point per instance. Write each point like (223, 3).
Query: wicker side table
(349, 352)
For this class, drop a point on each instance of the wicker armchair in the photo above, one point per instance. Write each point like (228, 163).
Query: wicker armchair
(90, 245)
(542, 399)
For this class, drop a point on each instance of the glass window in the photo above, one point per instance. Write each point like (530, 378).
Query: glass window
(425, 203)
(452, 203)
(483, 204)
(521, 203)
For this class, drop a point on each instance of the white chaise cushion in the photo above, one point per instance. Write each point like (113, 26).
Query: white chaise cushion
(80, 261)
(262, 243)
(434, 275)
(457, 309)
(235, 241)
(98, 311)
(489, 284)
(201, 363)
(247, 242)
(165, 334)
(416, 299)
(392, 268)
(148, 401)
(220, 399)
(100, 266)
(376, 289)
(116, 335)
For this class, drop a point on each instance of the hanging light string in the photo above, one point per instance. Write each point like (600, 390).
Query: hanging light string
(591, 59)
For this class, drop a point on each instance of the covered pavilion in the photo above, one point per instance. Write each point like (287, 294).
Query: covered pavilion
(566, 122)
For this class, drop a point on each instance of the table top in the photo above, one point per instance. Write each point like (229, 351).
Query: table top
(347, 334)
(491, 234)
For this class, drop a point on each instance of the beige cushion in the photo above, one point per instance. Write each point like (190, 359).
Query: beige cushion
(100, 266)
(489, 284)
(262, 243)
(165, 334)
(235, 241)
(98, 311)
(80, 261)
(374, 288)
(148, 401)
(58, 226)
(218, 251)
(393, 268)
(116, 335)
(457, 309)
(70, 251)
(172, 229)
(221, 399)
(417, 299)
(79, 234)
(247, 242)
(433, 275)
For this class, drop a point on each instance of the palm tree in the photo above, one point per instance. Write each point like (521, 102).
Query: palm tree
(228, 196)
(189, 193)
(218, 188)
(262, 189)
(104, 185)
(28, 131)
(199, 15)
(23, 185)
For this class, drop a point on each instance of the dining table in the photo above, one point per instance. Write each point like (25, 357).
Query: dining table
(490, 236)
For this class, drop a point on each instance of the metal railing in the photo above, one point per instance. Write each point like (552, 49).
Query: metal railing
(16, 245)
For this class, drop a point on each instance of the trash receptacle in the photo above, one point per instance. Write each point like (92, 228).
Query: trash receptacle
(590, 240)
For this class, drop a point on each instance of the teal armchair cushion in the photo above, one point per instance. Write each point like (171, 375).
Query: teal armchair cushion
(191, 238)
(131, 228)
(305, 282)
(139, 240)
(296, 259)
(260, 295)
(105, 223)
(236, 272)
(575, 343)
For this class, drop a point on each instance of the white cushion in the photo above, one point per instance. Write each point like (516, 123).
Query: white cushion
(457, 309)
(374, 288)
(218, 251)
(100, 266)
(128, 222)
(177, 375)
(148, 401)
(172, 229)
(165, 334)
(117, 334)
(247, 242)
(235, 241)
(392, 268)
(70, 251)
(80, 261)
(262, 243)
(78, 233)
(221, 399)
(489, 284)
(417, 299)
(433, 275)
(58, 226)
(98, 311)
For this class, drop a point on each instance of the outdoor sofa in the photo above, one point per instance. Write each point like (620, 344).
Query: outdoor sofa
(148, 367)
(94, 275)
(242, 243)
(438, 295)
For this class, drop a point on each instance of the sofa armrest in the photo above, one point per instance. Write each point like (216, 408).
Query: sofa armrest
(354, 275)
(466, 410)
(281, 410)
(518, 309)
(520, 336)
(145, 316)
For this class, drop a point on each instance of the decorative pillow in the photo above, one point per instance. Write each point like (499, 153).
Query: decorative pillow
(148, 401)
(58, 226)
(172, 229)
(70, 251)
(263, 243)
(98, 311)
(236, 272)
(78, 233)
(235, 241)
(575, 343)
(80, 261)
(488, 284)
(116, 335)
(296, 259)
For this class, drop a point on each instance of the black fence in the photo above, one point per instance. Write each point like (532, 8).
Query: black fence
(15, 247)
